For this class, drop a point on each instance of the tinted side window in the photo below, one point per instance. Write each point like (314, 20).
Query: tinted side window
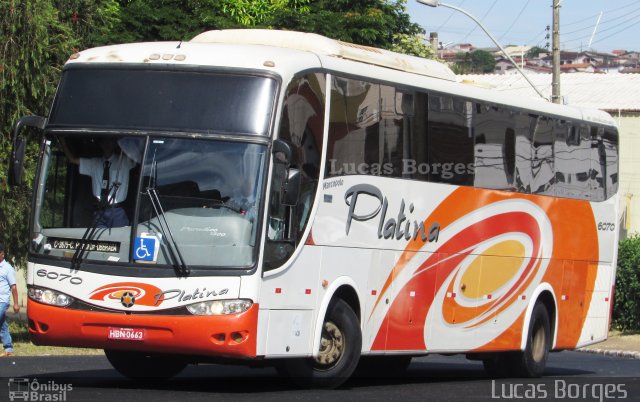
(572, 161)
(604, 163)
(542, 158)
(598, 165)
(395, 130)
(523, 176)
(354, 140)
(610, 144)
(494, 147)
(450, 136)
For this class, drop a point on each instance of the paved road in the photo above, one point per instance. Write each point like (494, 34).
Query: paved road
(435, 378)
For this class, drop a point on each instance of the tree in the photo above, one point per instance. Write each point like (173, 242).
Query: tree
(626, 308)
(378, 23)
(36, 40)
(482, 62)
(462, 64)
(413, 45)
(365, 22)
(534, 52)
(255, 12)
(145, 20)
(153, 20)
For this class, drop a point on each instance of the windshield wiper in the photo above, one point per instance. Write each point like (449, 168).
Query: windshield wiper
(90, 234)
(231, 207)
(174, 250)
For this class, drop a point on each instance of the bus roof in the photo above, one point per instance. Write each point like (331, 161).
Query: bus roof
(287, 52)
(322, 45)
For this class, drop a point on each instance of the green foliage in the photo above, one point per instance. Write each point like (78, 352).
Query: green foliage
(254, 12)
(462, 64)
(146, 20)
(626, 308)
(35, 44)
(477, 62)
(143, 20)
(535, 51)
(411, 44)
(482, 62)
(37, 37)
(365, 22)
(88, 20)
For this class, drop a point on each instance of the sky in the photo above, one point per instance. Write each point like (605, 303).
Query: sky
(524, 22)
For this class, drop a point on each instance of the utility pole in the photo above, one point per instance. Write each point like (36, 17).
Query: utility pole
(555, 81)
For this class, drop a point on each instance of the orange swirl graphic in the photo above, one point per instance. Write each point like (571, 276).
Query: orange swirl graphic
(144, 293)
(446, 260)
(494, 243)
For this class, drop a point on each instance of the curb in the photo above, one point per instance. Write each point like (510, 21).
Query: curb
(614, 353)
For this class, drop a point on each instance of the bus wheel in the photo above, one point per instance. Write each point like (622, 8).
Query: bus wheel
(340, 345)
(142, 366)
(531, 362)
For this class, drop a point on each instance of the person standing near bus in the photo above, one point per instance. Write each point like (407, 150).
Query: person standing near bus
(7, 288)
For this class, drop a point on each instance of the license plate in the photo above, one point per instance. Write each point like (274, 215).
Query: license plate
(131, 334)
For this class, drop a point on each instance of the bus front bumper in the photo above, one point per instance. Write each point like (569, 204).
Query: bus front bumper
(232, 335)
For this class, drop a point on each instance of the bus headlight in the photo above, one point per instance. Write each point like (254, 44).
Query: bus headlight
(220, 307)
(48, 296)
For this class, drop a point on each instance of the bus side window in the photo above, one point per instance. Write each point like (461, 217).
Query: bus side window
(572, 161)
(525, 124)
(354, 132)
(301, 125)
(610, 143)
(542, 159)
(494, 147)
(451, 142)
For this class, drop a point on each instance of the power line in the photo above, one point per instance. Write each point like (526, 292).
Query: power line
(453, 12)
(591, 26)
(481, 19)
(538, 34)
(604, 22)
(634, 3)
(615, 33)
(515, 20)
(632, 19)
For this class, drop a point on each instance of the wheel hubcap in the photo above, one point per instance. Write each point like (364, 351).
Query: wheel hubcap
(331, 346)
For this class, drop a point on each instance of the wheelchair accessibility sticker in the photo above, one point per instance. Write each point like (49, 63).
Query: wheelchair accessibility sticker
(145, 247)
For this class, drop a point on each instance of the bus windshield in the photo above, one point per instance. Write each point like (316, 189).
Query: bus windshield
(149, 200)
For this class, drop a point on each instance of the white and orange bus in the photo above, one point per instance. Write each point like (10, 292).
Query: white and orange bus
(293, 200)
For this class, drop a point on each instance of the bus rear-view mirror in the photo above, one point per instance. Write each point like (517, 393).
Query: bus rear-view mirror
(16, 163)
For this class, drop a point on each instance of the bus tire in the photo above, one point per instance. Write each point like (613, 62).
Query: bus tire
(143, 366)
(339, 353)
(531, 362)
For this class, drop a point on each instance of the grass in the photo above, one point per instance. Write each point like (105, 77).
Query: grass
(22, 346)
